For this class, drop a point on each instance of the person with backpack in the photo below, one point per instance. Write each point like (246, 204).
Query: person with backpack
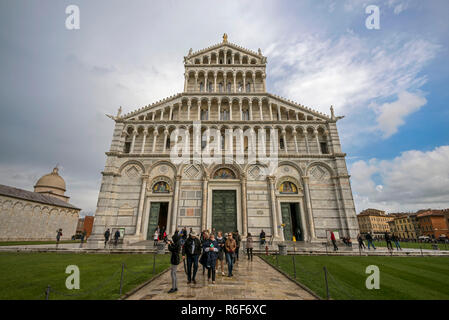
(107, 234)
(116, 237)
(369, 240)
(360, 241)
(210, 247)
(174, 248)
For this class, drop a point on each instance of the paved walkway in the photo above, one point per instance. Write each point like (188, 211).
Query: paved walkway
(251, 281)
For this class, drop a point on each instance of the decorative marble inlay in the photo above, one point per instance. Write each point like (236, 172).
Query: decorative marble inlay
(132, 172)
(192, 171)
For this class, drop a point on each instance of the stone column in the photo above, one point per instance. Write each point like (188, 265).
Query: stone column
(208, 109)
(254, 82)
(186, 81)
(250, 111)
(154, 115)
(317, 141)
(260, 110)
(155, 134)
(215, 82)
(235, 82)
(174, 214)
(279, 112)
(195, 89)
(170, 116)
(204, 205)
(271, 111)
(219, 110)
(264, 76)
(165, 140)
(296, 141)
(285, 140)
(309, 208)
(189, 105)
(241, 110)
(141, 204)
(244, 82)
(244, 205)
(145, 132)
(133, 142)
(199, 109)
(206, 87)
(230, 110)
(297, 116)
(271, 187)
(307, 141)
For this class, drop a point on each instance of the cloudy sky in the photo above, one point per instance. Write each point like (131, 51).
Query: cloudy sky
(391, 84)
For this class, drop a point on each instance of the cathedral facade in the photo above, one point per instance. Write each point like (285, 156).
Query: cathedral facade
(226, 154)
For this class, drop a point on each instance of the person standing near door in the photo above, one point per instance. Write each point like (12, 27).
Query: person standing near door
(262, 237)
(116, 237)
(191, 249)
(238, 240)
(221, 250)
(230, 246)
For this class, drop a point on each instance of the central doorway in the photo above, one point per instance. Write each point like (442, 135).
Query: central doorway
(224, 210)
(292, 221)
(158, 217)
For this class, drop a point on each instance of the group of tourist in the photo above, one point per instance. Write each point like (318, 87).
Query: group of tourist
(107, 235)
(210, 249)
(370, 241)
(159, 235)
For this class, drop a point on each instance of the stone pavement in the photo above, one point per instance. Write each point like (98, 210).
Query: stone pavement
(251, 281)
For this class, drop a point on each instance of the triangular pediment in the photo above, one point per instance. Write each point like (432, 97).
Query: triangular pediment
(226, 47)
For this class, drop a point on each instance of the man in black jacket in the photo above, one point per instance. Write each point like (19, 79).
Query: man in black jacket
(191, 249)
(174, 248)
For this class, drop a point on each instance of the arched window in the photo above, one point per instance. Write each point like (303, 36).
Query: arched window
(209, 87)
(224, 173)
(167, 145)
(229, 87)
(281, 144)
(240, 87)
(220, 87)
(161, 187)
(248, 87)
(224, 115)
(288, 188)
(204, 114)
(203, 140)
(201, 87)
(245, 114)
(222, 141)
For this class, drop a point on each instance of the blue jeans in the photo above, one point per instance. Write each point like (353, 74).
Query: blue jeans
(398, 246)
(230, 261)
(192, 260)
(370, 243)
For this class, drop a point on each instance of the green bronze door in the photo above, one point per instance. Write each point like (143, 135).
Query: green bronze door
(224, 210)
(153, 219)
(287, 221)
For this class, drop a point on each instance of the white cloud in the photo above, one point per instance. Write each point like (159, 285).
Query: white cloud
(414, 180)
(392, 115)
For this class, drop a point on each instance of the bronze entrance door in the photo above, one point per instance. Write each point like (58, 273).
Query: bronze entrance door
(224, 210)
(158, 217)
(292, 222)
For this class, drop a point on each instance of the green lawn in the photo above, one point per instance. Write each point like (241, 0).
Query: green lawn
(401, 278)
(413, 245)
(30, 243)
(26, 275)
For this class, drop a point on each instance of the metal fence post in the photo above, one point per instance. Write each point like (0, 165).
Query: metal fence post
(294, 265)
(121, 278)
(327, 285)
(47, 293)
(154, 263)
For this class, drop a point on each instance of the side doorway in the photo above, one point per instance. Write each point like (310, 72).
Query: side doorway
(292, 221)
(158, 217)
